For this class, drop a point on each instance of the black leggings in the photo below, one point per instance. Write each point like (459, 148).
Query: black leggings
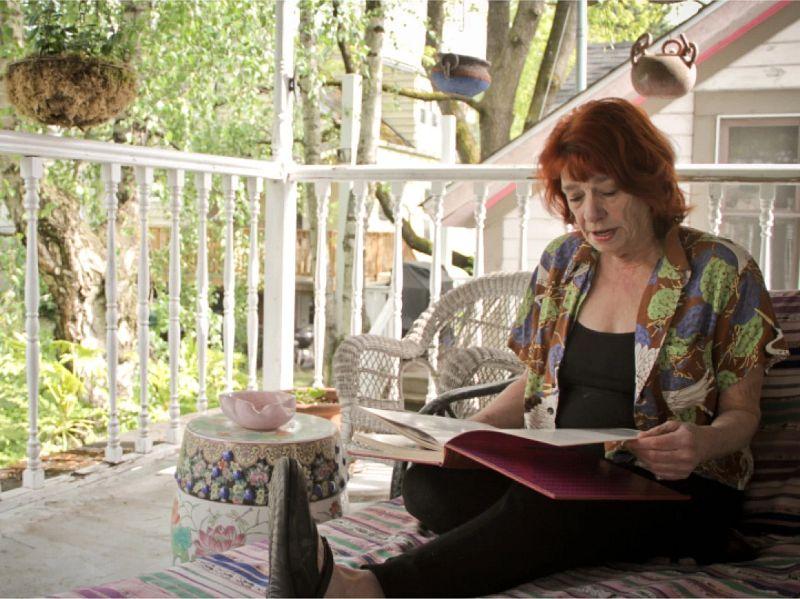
(495, 534)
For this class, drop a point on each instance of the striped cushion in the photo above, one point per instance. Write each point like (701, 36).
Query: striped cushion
(772, 501)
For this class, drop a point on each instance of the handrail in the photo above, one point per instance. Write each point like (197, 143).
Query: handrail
(55, 147)
(67, 148)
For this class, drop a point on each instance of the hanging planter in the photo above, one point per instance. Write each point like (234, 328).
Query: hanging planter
(668, 74)
(70, 90)
(461, 75)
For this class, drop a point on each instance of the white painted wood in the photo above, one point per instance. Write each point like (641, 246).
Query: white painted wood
(175, 180)
(350, 130)
(523, 193)
(281, 214)
(202, 182)
(766, 220)
(790, 278)
(254, 194)
(322, 190)
(31, 170)
(144, 182)
(764, 77)
(112, 175)
(688, 173)
(715, 207)
(360, 190)
(230, 184)
(280, 239)
(481, 194)
(397, 268)
(101, 152)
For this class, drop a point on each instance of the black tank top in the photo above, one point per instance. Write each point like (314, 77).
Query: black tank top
(596, 380)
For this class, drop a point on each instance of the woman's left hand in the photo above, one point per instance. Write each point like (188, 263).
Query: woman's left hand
(671, 450)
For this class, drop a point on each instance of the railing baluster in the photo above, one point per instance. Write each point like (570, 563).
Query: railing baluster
(360, 189)
(253, 192)
(112, 175)
(767, 220)
(481, 194)
(229, 185)
(789, 255)
(321, 189)
(202, 182)
(397, 270)
(715, 207)
(32, 170)
(175, 183)
(144, 181)
(523, 191)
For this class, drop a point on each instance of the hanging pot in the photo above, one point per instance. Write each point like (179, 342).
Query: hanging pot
(461, 75)
(70, 90)
(670, 74)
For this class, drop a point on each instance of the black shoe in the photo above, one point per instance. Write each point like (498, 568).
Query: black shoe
(293, 537)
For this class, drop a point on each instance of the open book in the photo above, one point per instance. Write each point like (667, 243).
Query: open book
(542, 459)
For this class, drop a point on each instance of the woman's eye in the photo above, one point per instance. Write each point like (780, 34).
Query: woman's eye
(613, 192)
(574, 199)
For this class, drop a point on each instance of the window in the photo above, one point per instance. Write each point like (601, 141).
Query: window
(422, 115)
(766, 140)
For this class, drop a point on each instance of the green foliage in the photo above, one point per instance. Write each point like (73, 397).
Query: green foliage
(88, 27)
(610, 21)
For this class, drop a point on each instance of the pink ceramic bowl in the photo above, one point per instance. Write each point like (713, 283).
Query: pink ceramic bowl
(258, 410)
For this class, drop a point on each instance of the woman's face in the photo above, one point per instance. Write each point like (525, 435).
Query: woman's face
(612, 221)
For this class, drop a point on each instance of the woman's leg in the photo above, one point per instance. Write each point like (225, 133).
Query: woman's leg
(442, 498)
(522, 536)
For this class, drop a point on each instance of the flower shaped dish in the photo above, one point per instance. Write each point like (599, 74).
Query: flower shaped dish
(258, 410)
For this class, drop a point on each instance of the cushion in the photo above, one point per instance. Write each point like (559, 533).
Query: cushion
(772, 501)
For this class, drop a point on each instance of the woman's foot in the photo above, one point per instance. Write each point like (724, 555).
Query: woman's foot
(294, 569)
(301, 562)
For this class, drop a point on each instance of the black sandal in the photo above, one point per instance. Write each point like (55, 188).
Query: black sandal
(293, 536)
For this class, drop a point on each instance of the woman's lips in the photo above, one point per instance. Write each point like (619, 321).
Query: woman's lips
(603, 234)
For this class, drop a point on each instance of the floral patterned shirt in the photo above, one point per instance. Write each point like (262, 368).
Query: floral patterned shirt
(704, 321)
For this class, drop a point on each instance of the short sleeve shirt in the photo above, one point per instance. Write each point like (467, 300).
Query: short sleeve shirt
(704, 321)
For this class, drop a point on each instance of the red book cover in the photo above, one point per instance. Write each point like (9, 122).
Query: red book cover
(556, 472)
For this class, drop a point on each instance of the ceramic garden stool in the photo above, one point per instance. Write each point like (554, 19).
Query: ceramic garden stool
(223, 472)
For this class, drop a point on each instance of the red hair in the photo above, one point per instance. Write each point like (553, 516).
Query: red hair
(614, 138)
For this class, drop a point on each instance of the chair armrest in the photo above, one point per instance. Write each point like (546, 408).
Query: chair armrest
(366, 371)
(441, 405)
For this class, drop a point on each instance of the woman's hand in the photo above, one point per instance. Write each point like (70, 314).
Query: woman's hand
(671, 450)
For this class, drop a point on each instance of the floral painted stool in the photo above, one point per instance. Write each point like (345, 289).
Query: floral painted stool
(223, 472)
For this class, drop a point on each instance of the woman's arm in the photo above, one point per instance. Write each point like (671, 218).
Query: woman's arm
(506, 410)
(673, 449)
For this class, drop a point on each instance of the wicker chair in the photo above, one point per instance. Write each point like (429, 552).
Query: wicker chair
(472, 324)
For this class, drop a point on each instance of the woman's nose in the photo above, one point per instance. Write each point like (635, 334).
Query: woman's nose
(593, 208)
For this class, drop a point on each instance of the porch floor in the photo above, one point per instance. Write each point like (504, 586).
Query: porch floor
(111, 522)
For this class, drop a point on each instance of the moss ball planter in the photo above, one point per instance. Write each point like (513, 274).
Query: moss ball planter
(70, 90)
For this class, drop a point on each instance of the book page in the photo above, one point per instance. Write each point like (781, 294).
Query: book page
(426, 430)
(395, 447)
(570, 437)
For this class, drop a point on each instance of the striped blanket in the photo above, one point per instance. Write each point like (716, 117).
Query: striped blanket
(385, 529)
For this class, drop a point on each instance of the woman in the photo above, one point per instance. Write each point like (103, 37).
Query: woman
(631, 320)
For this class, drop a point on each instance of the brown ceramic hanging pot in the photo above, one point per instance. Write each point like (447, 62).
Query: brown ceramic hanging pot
(669, 74)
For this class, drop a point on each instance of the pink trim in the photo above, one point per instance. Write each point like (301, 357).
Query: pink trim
(638, 100)
(777, 7)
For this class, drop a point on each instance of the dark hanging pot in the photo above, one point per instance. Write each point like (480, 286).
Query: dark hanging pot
(669, 74)
(461, 75)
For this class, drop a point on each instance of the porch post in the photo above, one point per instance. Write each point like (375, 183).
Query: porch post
(348, 146)
(32, 170)
(281, 215)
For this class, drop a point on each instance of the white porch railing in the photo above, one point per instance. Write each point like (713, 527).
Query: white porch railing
(753, 212)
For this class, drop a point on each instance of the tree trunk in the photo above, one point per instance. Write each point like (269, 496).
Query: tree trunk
(560, 45)
(507, 50)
